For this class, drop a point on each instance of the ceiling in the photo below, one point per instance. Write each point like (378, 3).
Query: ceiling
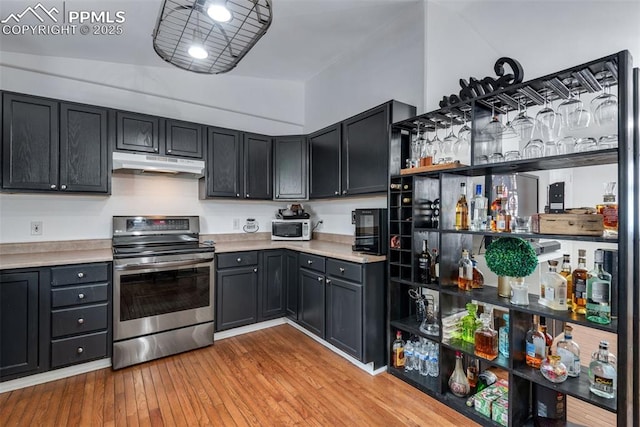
(305, 36)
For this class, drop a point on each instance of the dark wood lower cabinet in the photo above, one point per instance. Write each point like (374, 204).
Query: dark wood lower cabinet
(344, 316)
(291, 284)
(271, 292)
(236, 297)
(311, 309)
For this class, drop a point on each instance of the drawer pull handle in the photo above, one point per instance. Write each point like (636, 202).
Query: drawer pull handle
(309, 262)
(80, 275)
(341, 269)
(80, 296)
(80, 350)
(239, 260)
(80, 321)
(320, 279)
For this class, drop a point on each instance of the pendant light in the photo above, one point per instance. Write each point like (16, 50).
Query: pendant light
(209, 36)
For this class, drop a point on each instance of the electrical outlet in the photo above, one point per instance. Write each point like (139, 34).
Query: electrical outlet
(36, 228)
(236, 223)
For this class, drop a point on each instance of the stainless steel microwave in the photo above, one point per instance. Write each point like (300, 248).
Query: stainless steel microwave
(291, 229)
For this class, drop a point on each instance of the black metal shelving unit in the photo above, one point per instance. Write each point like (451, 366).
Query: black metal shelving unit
(405, 239)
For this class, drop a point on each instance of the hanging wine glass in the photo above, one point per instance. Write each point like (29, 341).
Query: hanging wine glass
(494, 128)
(425, 150)
(605, 107)
(548, 121)
(436, 144)
(415, 148)
(523, 124)
(449, 142)
(573, 113)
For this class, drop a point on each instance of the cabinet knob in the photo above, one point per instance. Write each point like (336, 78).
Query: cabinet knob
(247, 194)
(80, 275)
(155, 149)
(168, 151)
(52, 186)
(63, 187)
(80, 350)
(277, 195)
(328, 281)
(80, 296)
(255, 270)
(344, 191)
(336, 193)
(341, 269)
(237, 194)
(320, 279)
(80, 321)
(309, 262)
(239, 260)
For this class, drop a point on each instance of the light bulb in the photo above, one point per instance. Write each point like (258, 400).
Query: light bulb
(198, 51)
(219, 13)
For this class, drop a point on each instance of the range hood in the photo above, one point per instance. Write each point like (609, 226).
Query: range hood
(143, 163)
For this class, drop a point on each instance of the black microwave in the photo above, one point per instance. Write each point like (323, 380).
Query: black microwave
(371, 231)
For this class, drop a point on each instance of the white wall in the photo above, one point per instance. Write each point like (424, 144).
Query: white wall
(336, 213)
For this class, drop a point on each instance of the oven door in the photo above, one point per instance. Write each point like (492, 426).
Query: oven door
(155, 294)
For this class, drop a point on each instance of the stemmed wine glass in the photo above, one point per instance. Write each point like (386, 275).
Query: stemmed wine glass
(548, 121)
(523, 124)
(494, 128)
(463, 143)
(449, 141)
(605, 107)
(573, 113)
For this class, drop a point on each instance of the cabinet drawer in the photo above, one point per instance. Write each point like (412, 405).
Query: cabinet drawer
(79, 295)
(80, 320)
(81, 273)
(344, 270)
(237, 259)
(73, 350)
(312, 262)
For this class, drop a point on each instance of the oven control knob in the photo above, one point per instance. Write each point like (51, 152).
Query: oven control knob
(80, 350)
(239, 260)
(80, 296)
(80, 275)
(80, 321)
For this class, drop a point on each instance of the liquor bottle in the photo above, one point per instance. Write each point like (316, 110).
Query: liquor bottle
(470, 323)
(424, 263)
(394, 186)
(458, 382)
(503, 220)
(435, 217)
(599, 292)
(548, 339)
(486, 339)
(435, 264)
(398, 351)
(503, 337)
(609, 210)
(579, 277)
(462, 209)
(553, 288)
(478, 278)
(473, 370)
(566, 273)
(602, 372)
(478, 210)
(534, 345)
(496, 206)
(569, 352)
(406, 200)
(465, 272)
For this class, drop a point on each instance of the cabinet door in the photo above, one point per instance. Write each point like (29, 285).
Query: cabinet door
(224, 163)
(183, 139)
(365, 152)
(290, 168)
(19, 339)
(237, 296)
(257, 166)
(29, 143)
(344, 316)
(324, 162)
(291, 283)
(311, 311)
(137, 132)
(271, 295)
(84, 162)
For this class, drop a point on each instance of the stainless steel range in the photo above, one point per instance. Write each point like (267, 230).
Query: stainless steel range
(163, 293)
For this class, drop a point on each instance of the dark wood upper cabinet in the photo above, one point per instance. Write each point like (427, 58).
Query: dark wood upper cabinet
(29, 143)
(290, 167)
(324, 162)
(257, 166)
(84, 159)
(183, 139)
(137, 132)
(224, 164)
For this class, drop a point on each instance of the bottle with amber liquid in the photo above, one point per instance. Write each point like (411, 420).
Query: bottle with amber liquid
(609, 210)
(478, 278)
(548, 339)
(486, 339)
(566, 273)
(465, 272)
(535, 343)
(462, 209)
(496, 207)
(579, 278)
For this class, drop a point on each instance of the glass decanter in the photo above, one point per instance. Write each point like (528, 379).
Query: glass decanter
(486, 339)
(470, 323)
(458, 382)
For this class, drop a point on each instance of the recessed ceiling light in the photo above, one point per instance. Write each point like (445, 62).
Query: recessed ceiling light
(218, 11)
(198, 51)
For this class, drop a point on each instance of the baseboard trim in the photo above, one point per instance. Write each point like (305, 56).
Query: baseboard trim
(249, 328)
(56, 374)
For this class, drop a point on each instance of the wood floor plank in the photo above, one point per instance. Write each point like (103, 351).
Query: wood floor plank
(142, 408)
(161, 394)
(97, 418)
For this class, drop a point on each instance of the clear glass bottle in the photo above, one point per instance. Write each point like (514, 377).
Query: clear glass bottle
(503, 337)
(609, 210)
(579, 277)
(465, 272)
(569, 352)
(486, 339)
(458, 382)
(503, 220)
(424, 263)
(397, 358)
(553, 288)
(462, 209)
(470, 323)
(602, 372)
(553, 369)
(566, 273)
(534, 345)
(478, 210)
(599, 292)
(496, 207)
(478, 278)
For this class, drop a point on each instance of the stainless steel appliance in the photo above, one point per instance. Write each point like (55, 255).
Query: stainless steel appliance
(371, 231)
(291, 229)
(163, 288)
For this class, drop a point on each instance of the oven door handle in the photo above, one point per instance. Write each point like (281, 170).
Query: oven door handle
(142, 266)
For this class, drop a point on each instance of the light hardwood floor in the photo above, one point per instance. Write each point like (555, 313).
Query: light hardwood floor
(273, 377)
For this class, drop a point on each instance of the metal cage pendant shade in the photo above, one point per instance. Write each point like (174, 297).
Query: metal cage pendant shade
(183, 24)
